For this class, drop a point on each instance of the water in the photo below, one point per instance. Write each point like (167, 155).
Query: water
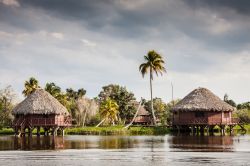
(125, 150)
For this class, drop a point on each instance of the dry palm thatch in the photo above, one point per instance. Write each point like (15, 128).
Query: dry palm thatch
(40, 102)
(202, 99)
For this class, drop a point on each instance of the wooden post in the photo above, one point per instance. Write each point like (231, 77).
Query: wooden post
(23, 131)
(30, 132)
(63, 132)
(202, 130)
(45, 131)
(16, 131)
(38, 131)
(208, 130)
(54, 131)
(222, 129)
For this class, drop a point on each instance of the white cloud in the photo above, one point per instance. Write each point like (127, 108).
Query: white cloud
(88, 43)
(14, 3)
(57, 35)
(219, 25)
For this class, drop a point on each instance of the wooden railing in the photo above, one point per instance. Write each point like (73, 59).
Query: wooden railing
(213, 121)
(235, 120)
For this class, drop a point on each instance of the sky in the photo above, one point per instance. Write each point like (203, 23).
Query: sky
(89, 44)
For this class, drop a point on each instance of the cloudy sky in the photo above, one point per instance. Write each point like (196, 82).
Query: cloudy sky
(94, 43)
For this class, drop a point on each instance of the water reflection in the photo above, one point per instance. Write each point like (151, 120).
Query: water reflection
(202, 143)
(174, 143)
(125, 150)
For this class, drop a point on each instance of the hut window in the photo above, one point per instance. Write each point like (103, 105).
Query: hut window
(45, 116)
(226, 114)
(199, 114)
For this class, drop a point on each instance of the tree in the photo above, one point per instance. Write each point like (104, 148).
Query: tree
(159, 107)
(72, 98)
(229, 101)
(108, 111)
(7, 97)
(56, 92)
(53, 89)
(122, 97)
(245, 105)
(30, 86)
(153, 64)
(87, 110)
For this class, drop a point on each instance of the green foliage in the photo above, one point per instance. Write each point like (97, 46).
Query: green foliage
(75, 94)
(94, 120)
(243, 115)
(162, 110)
(72, 96)
(154, 63)
(30, 86)
(229, 101)
(7, 96)
(109, 110)
(7, 131)
(122, 97)
(118, 130)
(245, 105)
(56, 92)
(87, 110)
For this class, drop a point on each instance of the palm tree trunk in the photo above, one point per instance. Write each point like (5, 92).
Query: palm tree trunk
(132, 121)
(84, 117)
(151, 95)
(100, 123)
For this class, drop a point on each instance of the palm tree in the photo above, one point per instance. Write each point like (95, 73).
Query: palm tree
(30, 86)
(153, 64)
(109, 110)
(53, 89)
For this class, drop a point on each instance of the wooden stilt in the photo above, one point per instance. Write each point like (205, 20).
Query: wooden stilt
(30, 131)
(202, 130)
(38, 131)
(63, 132)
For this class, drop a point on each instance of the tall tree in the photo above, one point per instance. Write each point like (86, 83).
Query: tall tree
(229, 101)
(7, 97)
(154, 63)
(72, 98)
(53, 89)
(56, 92)
(108, 111)
(122, 97)
(87, 110)
(30, 86)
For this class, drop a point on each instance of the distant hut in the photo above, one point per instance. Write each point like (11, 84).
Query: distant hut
(200, 109)
(40, 109)
(143, 117)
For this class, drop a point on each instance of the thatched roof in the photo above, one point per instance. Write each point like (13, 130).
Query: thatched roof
(202, 99)
(40, 102)
(142, 111)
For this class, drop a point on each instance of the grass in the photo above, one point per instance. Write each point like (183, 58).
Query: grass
(117, 130)
(7, 131)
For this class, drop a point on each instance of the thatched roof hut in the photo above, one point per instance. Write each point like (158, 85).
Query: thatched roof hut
(202, 99)
(40, 102)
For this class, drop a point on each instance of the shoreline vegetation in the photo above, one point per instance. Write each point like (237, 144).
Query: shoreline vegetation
(118, 130)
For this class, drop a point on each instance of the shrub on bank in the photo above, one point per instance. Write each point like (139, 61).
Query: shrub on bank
(6, 131)
(117, 130)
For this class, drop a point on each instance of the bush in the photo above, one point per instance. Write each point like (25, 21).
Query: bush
(243, 115)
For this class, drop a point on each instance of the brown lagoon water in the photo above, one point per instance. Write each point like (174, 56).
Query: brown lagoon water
(125, 150)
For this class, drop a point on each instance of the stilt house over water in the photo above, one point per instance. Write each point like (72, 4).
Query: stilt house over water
(40, 110)
(143, 117)
(200, 109)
